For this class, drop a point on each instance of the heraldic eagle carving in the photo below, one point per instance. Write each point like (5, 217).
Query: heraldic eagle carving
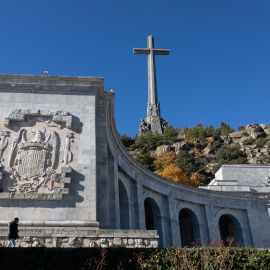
(33, 161)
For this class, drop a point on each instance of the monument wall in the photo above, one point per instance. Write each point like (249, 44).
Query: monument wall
(67, 176)
(48, 147)
(50, 127)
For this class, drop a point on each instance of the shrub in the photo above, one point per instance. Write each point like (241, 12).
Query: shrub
(197, 132)
(231, 154)
(248, 141)
(170, 135)
(150, 140)
(186, 162)
(205, 257)
(224, 129)
(193, 142)
(126, 140)
(260, 142)
(145, 159)
(174, 173)
(215, 146)
(198, 153)
(241, 128)
(165, 159)
(133, 147)
(210, 141)
(215, 168)
(141, 141)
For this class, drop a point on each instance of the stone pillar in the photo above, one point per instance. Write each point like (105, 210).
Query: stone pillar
(174, 237)
(211, 227)
(103, 192)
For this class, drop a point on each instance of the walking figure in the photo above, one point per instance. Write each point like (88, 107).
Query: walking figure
(13, 232)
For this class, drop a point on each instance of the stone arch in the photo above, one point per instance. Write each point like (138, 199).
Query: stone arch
(123, 206)
(153, 218)
(235, 226)
(189, 227)
(230, 227)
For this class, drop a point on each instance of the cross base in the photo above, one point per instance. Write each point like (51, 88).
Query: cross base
(153, 123)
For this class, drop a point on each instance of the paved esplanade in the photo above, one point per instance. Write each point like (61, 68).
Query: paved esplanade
(153, 121)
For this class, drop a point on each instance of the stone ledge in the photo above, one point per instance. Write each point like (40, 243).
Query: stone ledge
(19, 115)
(81, 237)
(32, 225)
(31, 196)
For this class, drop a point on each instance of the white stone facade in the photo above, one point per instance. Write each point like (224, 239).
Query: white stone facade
(67, 176)
(254, 178)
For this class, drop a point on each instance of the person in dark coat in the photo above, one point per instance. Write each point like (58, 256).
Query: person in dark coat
(13, 232)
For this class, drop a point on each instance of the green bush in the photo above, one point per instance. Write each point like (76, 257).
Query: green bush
(169, 135)
(215, 146)
(231, 155)
(260, 142)
(206, 257)
(216, 167)
(145, 159)
(150, 140)
(224, 129)
(68, 258)
(126, 140)
(197, 132)
(200, 132)
(186, 162)
(248, 141)
(241, 128)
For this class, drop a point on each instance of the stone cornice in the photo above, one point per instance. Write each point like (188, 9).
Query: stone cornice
(37, 83)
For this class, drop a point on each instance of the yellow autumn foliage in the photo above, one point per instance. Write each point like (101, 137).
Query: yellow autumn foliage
(196, 179)
(192, 142)
(210, 141)
(165, 165)
(165, 159)
(177, 175)
(198, 153)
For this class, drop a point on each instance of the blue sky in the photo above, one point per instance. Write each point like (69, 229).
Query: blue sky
(218, 68)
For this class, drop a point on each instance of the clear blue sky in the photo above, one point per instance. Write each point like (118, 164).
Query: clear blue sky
(218, 68)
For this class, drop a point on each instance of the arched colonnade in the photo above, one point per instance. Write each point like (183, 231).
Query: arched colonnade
(190, 224)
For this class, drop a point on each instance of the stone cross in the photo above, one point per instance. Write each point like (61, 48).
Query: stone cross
(153, 121)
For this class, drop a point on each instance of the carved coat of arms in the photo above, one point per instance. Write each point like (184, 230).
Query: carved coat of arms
(35, 154)
(32, 161)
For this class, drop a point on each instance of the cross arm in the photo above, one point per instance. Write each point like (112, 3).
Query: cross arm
(141, 51)
(161, 51)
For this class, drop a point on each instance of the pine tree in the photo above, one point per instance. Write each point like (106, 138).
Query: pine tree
(186, 162)
(169, 135)
(145, 159)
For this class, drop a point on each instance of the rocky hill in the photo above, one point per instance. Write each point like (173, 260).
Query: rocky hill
(198, 152)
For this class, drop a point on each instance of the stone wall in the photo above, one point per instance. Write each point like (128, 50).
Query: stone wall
(49, 121)
(81, 237)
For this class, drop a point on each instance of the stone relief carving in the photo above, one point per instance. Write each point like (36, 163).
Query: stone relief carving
(37, 160)
(82, 242)
(3, 145)
(56, 116)
(144, 127)
(32, 161)
(154, 124)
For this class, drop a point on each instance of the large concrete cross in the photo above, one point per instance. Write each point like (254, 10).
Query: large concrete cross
(152, 81)
(153, 120)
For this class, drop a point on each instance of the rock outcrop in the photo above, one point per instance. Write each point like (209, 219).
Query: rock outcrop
(254, 142)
